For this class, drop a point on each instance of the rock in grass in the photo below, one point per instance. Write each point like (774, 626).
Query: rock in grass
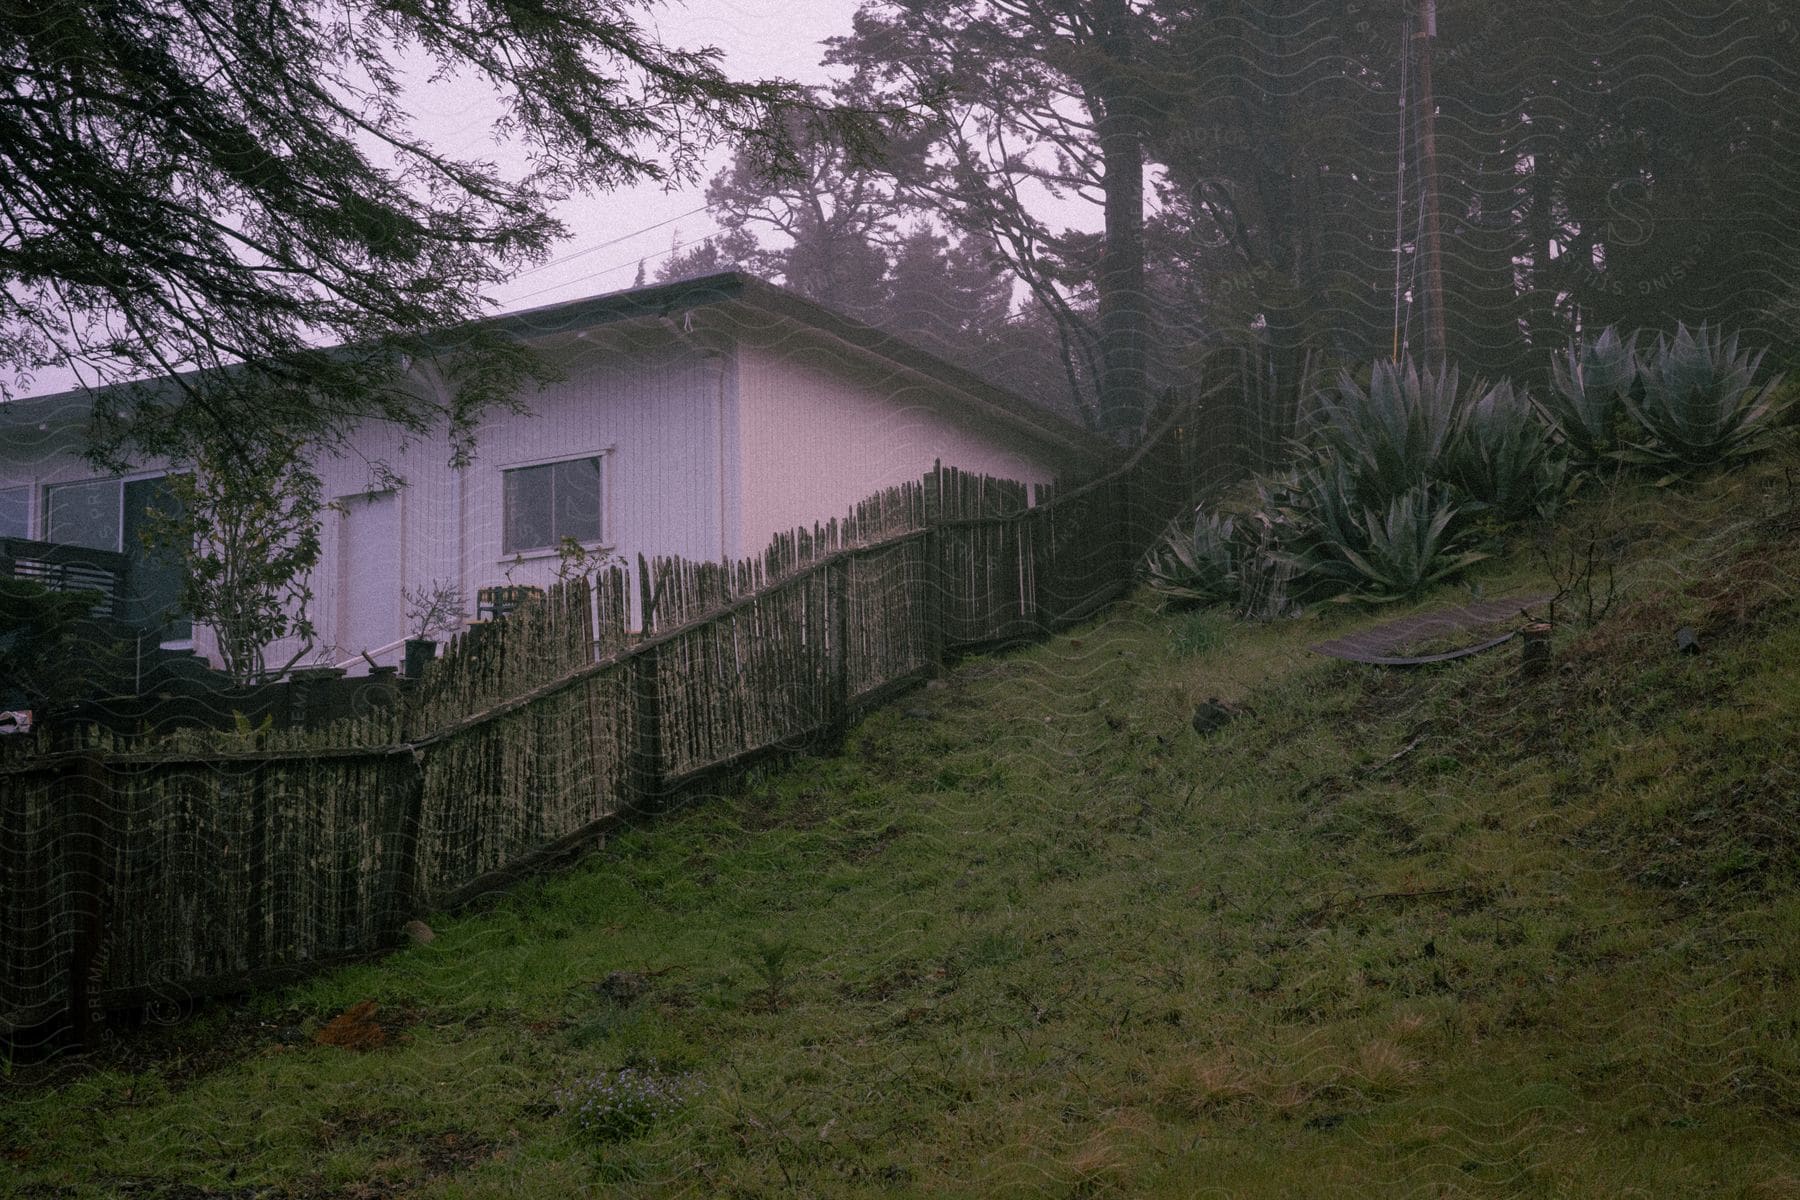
(1214, 715)
(623, 987)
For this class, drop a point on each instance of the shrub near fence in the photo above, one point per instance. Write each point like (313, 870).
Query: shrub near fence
(132, 872)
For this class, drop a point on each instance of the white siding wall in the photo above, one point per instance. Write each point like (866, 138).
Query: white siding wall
(823, 429)
(646, 401)
(647, 398)
(705, 455)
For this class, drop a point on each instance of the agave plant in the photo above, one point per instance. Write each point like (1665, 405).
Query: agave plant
(1280, 538)
(1699, 404)
(1318, 511)
(1195, 562)
(1410, 547)
(1369, 553)
(1395, 435)
(1592, 379)
(1501, 459)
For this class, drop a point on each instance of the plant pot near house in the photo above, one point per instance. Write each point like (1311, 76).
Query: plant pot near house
(435, 608)
(419, 651)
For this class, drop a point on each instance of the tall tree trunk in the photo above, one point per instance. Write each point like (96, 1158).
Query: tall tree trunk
(1124, 304)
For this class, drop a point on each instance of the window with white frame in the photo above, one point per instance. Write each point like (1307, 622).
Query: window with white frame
(551, 501)
(15, 512)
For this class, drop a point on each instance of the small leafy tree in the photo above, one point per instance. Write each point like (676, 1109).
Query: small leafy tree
(435, 607)
(248, 538)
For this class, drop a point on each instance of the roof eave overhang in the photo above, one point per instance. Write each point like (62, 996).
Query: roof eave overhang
(728, 289)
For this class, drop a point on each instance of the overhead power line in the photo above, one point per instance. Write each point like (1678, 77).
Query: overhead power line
(623, 237)
(618, 266)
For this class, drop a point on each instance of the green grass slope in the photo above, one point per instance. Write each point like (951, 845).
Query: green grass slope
(1440, 933)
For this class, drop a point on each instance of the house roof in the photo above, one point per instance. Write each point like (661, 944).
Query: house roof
(737, 289)
(726, 289)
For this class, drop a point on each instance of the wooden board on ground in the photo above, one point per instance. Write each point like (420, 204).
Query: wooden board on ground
(1377, 646)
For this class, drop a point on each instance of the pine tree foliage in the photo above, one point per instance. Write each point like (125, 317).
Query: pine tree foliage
(205, 192)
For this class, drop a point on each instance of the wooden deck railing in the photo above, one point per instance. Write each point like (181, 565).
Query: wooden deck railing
(63, 568)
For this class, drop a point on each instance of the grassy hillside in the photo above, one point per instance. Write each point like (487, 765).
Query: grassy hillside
(1432, 933)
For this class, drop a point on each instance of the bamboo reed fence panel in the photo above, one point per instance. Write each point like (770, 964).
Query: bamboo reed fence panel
(758, 676)
(202, 868)
(506, 787)
(225, 854)
(980, 578)
(226, 868)
(891, 614)
(979, 571)
(381, 726)
(579, 621)
(37, 920)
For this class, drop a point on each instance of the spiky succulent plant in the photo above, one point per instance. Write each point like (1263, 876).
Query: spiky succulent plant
(1698, 404)
(1393, 435)
(1195, 561)
(1501, 459)
(1334, 545)
(1411, 546)
(1592, 381)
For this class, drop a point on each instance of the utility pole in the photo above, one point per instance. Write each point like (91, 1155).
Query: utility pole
(1425, 35)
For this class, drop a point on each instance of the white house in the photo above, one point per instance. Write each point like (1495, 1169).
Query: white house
(695, 418)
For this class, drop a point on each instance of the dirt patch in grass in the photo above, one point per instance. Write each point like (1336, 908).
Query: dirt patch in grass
(363, 1026)
(179, 1047)
(341, 1124)
(760, 808)
(445, 1152)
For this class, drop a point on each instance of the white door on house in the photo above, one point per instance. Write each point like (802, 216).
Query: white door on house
(369, 574)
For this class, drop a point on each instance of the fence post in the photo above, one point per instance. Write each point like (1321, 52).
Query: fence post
(1534, 650)
(837, 587)
(401, 847)
(647, 765)
(931, 609)
(84, 798)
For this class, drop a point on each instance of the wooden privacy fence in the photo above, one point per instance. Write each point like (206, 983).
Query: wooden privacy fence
(132, 873)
